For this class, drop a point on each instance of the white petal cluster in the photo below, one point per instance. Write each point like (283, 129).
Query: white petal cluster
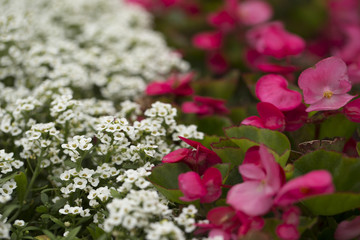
(85, 44)
(165, 230)
(4, 228)
(187, 218)
(136, 210)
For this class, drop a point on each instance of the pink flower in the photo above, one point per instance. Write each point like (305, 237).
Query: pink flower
(176, 84)
(198, 160)
(274, 89)
(207, 189)
(287, 232)
(347, 230)
(264, 63)
(313, 183)
(205, 106)
(272, 39)
(270, 117)
(325, 87)
(217, 62)
(222, 20)
(209, 41)
(296, 118)
(254, 197)
(254, 12)
(352, 110)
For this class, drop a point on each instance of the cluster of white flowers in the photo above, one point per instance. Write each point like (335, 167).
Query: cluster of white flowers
(4, 228)
(84, 44)
(69, 74)
(137, 210)
(187, 218)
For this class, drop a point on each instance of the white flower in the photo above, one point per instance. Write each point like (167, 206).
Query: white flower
(19, 223)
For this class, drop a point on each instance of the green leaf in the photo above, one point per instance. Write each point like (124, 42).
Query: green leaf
(207, 141)
(44, 198)
(330, 128)
(9, 209)
(224, 169)
(248, 136)
(72, 234)
(232, 155)
(165, 179)
(54, 219)
(213, 125)
(332, 204)
(21, 186)
(344, 170)
(41, 209)
(49, 234)
(114, 193)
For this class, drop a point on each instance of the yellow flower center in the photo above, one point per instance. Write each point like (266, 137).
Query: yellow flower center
(328, 94)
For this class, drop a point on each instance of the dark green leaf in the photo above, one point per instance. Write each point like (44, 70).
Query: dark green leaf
(21, 186)
(72, 234)
(331, 127)
(332, 204)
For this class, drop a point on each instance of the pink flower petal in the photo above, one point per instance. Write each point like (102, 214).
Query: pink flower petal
(250, 198)
(347, 230)
(273, 89)
(251, 172)
(253, 121)
(158, 88)
(333, 103)
(295, 118)
(271, 116)
(217, 62)
(208, 40)
(176, 156)
(192, 107)
(313, 183)
(254, 12)
(212, 181)
(329, 74)
(287, 232)
(352, 110)
(222, 20)
(191, 186)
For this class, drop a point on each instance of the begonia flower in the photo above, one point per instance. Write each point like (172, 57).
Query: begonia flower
(270, 117)
(208, 41)
(255, 197)
(266, 64)
(254, 12)
(198, 160)
(176, 84)
(205, 106)
(273, 40)
(287, 232)
(296, 118)
(207, 189)
(217, 62)
(325, 87)
(313, 183)
(352, 110)
(274, 89)
(348, 229)
(222, 20)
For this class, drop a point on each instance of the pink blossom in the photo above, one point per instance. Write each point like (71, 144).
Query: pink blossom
(354, 71)
(270, 117)
(207, 189)
(222, 20)
(205, 106)
(313, 183)
(176, 84)
(292, 216)
(254, 197)
(272, 39)
(348, 229)
(198, 160)
(264, 63)
(254, 12)
(209, 41)
(352, 110)
(217, 62)
(287, 232)
(325, 87)
(274, 89)
(296, 118)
